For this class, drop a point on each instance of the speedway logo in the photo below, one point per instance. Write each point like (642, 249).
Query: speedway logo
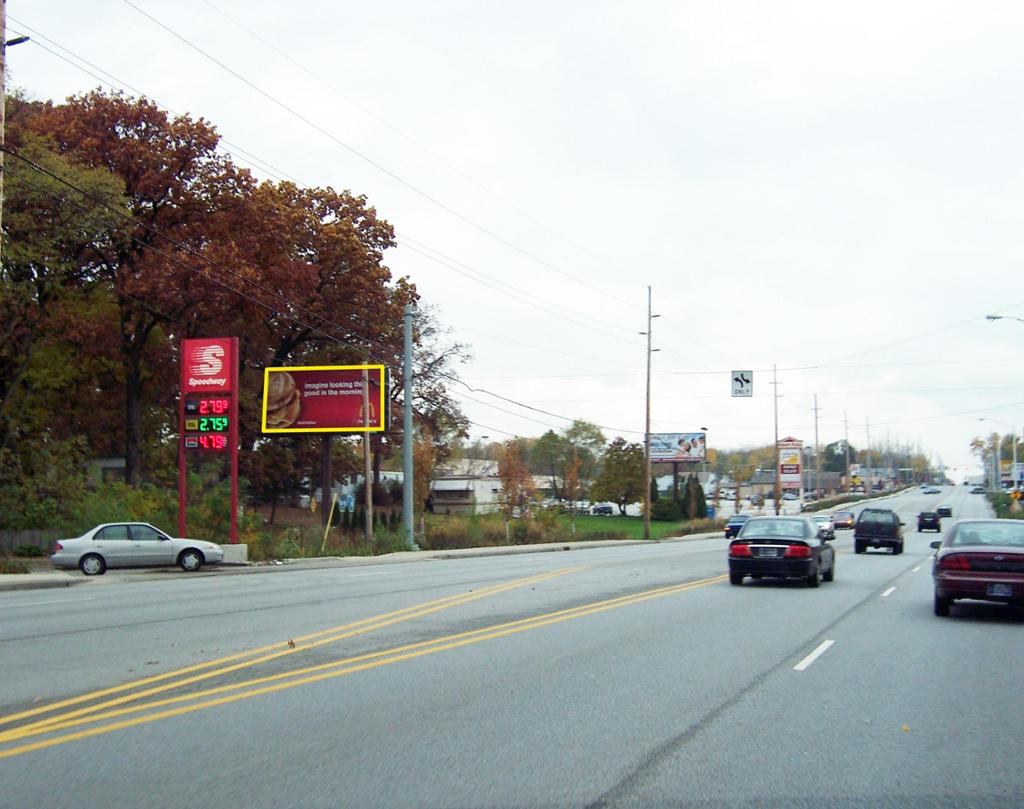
(206, 364)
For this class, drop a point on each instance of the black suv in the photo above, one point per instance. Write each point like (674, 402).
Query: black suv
(930, 520)
(878, 528)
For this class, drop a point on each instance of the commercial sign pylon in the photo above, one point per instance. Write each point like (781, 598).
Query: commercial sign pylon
(208, 413)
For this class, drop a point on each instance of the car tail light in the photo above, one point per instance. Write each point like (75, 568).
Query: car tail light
(797, 552)
(955, 561)
(58, 547)
(739, 549)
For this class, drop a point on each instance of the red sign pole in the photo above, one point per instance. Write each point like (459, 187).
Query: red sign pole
(182, 478)
(233, 438)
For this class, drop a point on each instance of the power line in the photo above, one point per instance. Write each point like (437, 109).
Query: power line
(544, 226)
(368, 160)
(472, 273)
(314, 328)
(404, 240)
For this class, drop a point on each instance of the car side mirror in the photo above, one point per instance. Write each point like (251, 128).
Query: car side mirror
(934, 545)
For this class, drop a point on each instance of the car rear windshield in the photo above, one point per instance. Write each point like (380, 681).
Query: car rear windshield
(877, 517)
(1008, 533)
(787, 529)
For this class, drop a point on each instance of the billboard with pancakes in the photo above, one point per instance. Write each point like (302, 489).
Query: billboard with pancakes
(324, 399)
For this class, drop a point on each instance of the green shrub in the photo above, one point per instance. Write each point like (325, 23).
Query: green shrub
(30, 551)
(8, 565)
(666, 510)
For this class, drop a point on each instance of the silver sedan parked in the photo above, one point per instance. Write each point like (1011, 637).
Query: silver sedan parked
(132, 544)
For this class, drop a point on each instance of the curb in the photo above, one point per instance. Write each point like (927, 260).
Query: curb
(28, 581)
(34, 581)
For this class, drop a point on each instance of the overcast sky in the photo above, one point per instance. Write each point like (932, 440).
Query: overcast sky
(832, 188)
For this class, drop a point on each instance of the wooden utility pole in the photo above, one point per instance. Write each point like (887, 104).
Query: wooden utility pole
(778, 466)
(817, 450)
(647, 425)
(3, 101)
(846, 446)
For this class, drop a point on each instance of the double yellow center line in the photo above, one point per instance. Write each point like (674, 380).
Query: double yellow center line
(247, 689)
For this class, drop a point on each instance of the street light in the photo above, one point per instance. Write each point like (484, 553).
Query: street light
(1004, 317)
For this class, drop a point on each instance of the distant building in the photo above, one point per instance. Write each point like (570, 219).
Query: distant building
(466, 486)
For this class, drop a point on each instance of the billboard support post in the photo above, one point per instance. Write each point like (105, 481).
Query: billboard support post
(326, 479)
(367, 483)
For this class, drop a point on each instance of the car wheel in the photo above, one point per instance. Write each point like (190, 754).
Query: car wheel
(92, 564)
(190, 560)
(736, 578)
(858, 547)
(942, 606)
(814, 579)
(897, 549)
(830, 574)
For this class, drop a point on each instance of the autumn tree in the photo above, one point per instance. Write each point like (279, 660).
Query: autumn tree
(516, 483)
(177, 188)
(621, 479)
(580, 443)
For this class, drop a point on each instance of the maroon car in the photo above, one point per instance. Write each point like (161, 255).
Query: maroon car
(843, 519)
(981, 560)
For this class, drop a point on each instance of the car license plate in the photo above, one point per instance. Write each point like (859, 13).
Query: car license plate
(767, 551)
(1001, 590)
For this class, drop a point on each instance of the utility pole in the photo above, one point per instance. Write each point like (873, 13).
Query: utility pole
(3, 99)
(778, 467)
(870, 486)
(846, 446)
(647, 425)
(817, 450)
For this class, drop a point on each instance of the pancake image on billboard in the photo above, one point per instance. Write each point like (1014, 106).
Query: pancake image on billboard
(283, 400)
(324, 399)
(679, 447)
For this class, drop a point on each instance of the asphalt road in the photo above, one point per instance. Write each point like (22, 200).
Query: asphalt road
(632, 676)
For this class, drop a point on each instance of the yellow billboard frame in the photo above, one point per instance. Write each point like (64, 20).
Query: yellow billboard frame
(289, 368)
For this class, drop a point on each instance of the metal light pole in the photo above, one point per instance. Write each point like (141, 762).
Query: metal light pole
(408, 510)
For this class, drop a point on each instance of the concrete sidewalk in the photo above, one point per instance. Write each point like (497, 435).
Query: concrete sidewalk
(50, 578)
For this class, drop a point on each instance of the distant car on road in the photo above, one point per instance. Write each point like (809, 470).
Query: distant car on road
(132, 544)
(843, 519)
(944, 511)
(982, 560)
(732, 528)
(781, 547)
(603, 511)
(878, 528)
(824, 522)
(929, 520)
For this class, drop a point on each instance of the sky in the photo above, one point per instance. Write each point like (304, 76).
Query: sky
(833, 190)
